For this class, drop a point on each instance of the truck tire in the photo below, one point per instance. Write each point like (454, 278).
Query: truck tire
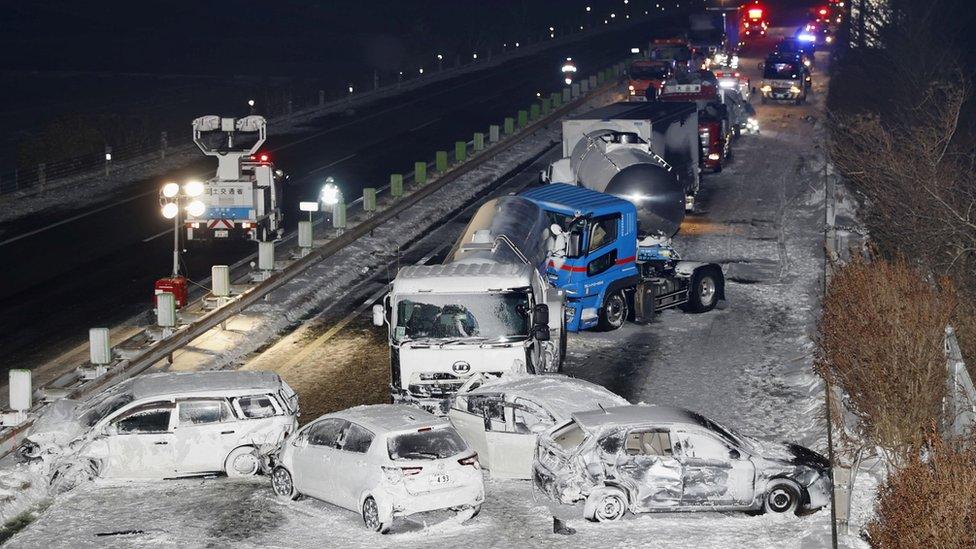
(703, 291)
(614, 311)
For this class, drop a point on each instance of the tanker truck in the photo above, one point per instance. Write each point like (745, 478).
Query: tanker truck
(487, 310)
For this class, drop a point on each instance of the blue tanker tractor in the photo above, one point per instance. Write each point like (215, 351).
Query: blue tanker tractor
(611, 270)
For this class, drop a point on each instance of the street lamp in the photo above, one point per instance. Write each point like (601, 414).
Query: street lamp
(250, 103)
(440, 62)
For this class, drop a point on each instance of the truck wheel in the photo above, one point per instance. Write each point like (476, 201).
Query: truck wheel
(703, 291)
(614, 311)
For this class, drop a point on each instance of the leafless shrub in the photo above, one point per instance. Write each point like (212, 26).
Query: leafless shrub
(930, 501)
(881, 339)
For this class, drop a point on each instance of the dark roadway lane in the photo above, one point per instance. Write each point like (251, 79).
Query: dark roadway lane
(98, 270)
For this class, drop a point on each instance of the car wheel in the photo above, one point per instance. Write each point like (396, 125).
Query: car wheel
(782, 496)
(614, 312)
(702, 292)
(70, 474)
(242, 462)
(283, 484)
(371, 516)
(605, 504)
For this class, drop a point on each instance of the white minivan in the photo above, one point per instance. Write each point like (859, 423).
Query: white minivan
(383, 461)
(166, 425)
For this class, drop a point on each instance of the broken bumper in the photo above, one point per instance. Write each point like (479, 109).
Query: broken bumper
(405, 503)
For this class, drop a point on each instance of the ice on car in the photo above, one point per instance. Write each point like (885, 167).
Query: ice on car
(501, 418)
(165, 425)
(383, 461)
(658, 458)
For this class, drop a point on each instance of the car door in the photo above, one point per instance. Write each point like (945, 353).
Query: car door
(646, 462)
(482, 413)
(711, 476)
(140, 442)
(314, 456)
(512, 450)
(205, 434)
(350, 465)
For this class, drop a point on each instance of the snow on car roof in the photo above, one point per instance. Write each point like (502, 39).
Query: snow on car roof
(560, 395)
(627, 415)
(386, 418)
(171, 383)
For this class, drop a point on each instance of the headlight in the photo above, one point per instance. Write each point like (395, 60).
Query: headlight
(767, 88)
(806, 62)
(794, 89)
(829, 39)
(714, 156)
(630, 87)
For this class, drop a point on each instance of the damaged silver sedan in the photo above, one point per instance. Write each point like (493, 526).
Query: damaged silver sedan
(658, 458)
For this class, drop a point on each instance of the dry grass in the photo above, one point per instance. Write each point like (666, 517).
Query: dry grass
(881, 340)
(931, 501)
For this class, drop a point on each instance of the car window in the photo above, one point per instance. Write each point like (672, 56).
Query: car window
(602, 232)
(569, 436)
(153, 418)
(529, 415)
(649, 443)
(492, 404)
(703, 446)
(326, 432)
(202, 412)
(256, 407)
(426, 444)
(357, 439)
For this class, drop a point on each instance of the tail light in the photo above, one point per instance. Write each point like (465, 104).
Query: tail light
(471, 460)
(396, 474)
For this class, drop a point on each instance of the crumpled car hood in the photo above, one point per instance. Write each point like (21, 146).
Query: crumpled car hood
(58, 424)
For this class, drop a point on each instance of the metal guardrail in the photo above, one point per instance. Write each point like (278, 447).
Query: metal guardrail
(960, 405)
(165, 347)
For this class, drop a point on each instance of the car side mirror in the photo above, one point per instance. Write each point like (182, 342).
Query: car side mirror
(734, 454)
(540, 314)
(379, 314)
(573, 247)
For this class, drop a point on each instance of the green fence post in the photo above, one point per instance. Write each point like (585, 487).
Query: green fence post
(460, 151)
(509, 125)
(523, 119)
(545, 106)
(440, 161)
(493, 135)
(534, 111)
(557, 100)
(600, 77)
(339, 215)
(420, 173)
(479, 141)
(396, 185)
(369, 199)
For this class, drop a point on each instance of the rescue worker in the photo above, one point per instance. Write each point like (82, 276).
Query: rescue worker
(558, 245)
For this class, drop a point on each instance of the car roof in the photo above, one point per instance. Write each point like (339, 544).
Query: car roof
(389, 418)
(196, 383)
(560, 395)
(631, 415)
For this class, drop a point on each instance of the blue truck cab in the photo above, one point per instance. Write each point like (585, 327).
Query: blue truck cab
(608, 273)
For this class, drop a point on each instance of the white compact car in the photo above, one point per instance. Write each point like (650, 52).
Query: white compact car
(164, 426)
(501, 418)
(384, 461)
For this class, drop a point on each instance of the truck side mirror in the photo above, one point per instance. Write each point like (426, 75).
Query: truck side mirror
(379, 314)
(540, 315)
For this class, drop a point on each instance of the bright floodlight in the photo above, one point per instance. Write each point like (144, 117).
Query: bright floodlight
(170, 210)
(196, 208)
(170, 190)
(193, 188)
(329, 195)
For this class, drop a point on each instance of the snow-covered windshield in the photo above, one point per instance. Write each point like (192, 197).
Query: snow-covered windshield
(432, 444)
(488, 316)
(101, 408)
(779, 70)
(569, 436)
(643, 72)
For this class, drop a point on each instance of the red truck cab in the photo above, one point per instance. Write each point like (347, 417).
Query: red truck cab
(647, 77)
(714, 127)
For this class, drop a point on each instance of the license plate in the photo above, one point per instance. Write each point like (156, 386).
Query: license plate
(221, 233)
(440, 479)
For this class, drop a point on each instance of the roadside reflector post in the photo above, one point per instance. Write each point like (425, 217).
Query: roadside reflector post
(567, 95)
(369, 200)
(584, 87)
(509, 125)
(396, 185)
(163, 139)
(601, 77)
(339, 217)
(165, 311)
(546, 106)
(460, 152)
(21, 398)
(420, 173)
(440, 161)
(576, 90)
(266, 257)
(534, 111)
(479, 141)
(523, 119)
(493, 133)
(592, 82)
(99, 349)
(108, 160)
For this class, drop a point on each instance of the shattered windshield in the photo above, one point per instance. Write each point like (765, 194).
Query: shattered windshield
(104, 407)
(490, 316)
(435, 444)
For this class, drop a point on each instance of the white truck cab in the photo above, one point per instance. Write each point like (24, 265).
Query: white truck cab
(449, 322)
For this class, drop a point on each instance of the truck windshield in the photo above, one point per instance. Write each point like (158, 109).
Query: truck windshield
(669, 53)
(643, 72)
(779, 70)
(487, 316)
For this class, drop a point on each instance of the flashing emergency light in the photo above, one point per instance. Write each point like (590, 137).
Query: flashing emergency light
(755, 13)
(823, 11)
(263, 157)
(805, 37)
